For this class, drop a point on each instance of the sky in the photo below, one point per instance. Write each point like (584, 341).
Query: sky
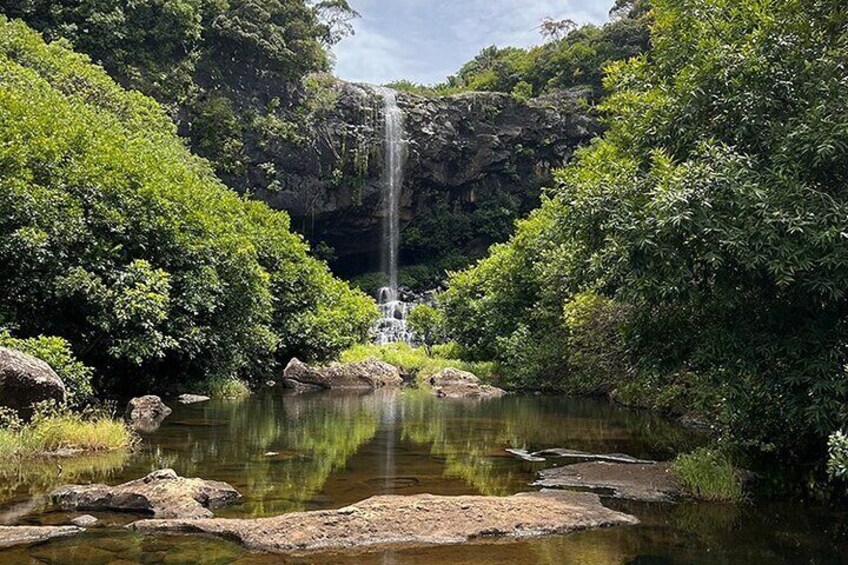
(427, 40)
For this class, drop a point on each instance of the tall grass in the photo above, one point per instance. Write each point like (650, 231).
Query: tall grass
(52, 430)
(226, 388)
(709, 475)
(416, 361)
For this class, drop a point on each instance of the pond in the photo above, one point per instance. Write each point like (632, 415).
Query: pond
(289, 453)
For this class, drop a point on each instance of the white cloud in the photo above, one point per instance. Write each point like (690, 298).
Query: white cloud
(426, 40)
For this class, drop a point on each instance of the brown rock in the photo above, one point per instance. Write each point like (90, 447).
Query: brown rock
(163, 494)
(647, 482)
(145, 414)
(26, 380)
(371, 373)
(11, 536)
(409, 521)
(453, 383)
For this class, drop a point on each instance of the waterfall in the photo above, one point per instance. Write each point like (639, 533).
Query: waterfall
(391, 327)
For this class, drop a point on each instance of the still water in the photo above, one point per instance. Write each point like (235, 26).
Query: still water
(291, 453)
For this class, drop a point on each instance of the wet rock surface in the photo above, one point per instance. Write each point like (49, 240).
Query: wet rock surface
(11, 536)
(369, 374)
(453, 383)
(192, 398)
(85, 521)
(559, 453)
(653, 482)
(26, 380)
(162, 494)
(146, 413)
(417, 520)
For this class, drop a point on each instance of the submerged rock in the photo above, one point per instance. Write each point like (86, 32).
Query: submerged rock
(192, 398)
(653, 482)
(409, 521)
(524, 455)
(26, 380)
(11, 536)
(163, 494)
(453, 383)
(585, 456)
(371, 373)
(85, 521)
(145, 414)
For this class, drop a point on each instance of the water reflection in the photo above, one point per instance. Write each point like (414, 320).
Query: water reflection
(287, 453)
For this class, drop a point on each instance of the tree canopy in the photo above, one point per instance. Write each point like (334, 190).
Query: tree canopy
(711, 223)
(115, 237)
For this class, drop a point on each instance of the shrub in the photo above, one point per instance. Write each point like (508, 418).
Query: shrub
(837, 448)
(113, 236)
(709, 475)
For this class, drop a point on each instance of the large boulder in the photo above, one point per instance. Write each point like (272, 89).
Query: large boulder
(146, 413)
(11, 536)
(26, 380)
(369, 374)
(163, 494)
(453, 383)
(415, 520)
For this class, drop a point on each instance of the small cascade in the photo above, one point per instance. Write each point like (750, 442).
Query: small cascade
(391, 328)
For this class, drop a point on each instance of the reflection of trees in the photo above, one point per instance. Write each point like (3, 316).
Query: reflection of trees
(38, 476)
(471, 436)
(313, 436)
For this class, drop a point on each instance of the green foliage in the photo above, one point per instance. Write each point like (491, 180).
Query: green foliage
(428, 324)
(57, 353)
(709, 475)
(213, 64)
(113, 236)
(226, 388)
(52, 429)
(417, 361)
(837, 449)
(712, 215)
(573, 59)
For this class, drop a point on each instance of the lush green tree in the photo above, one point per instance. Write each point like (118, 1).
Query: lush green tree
(114, 237)
(714, 211)
(428, 324)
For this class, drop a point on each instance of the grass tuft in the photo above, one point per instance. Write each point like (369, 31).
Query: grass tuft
(227, 388)
(709, 475)
(416, 361)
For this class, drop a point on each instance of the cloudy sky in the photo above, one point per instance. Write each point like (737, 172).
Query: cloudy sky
(427, 40)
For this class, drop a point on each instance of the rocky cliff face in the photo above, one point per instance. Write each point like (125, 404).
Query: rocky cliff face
(475, 162)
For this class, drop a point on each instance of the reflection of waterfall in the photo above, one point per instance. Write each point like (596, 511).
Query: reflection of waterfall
(391, 327)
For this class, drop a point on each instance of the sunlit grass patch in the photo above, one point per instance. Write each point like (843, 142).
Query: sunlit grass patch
(416, 361)
(709, 475)
(52, 430)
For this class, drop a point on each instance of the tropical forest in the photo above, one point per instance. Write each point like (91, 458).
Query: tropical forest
(392, 282)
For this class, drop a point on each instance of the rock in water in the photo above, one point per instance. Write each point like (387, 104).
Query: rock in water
(145, 414)
(453, 383)
(85, 521)
(652, 482)
(192, 398)
(409, 520)
(368, 374)
(163, 494)
(11, 536)
(26, 380)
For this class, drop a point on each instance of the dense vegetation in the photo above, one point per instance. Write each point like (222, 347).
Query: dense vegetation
(571, 58)
(695, 258)
(116, 238)
(227, 71)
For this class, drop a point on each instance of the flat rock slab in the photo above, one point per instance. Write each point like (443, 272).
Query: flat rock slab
(11, 536)
(582, 455)
(417, 520)
(654, 482)
(163, 494)
(192, 398)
